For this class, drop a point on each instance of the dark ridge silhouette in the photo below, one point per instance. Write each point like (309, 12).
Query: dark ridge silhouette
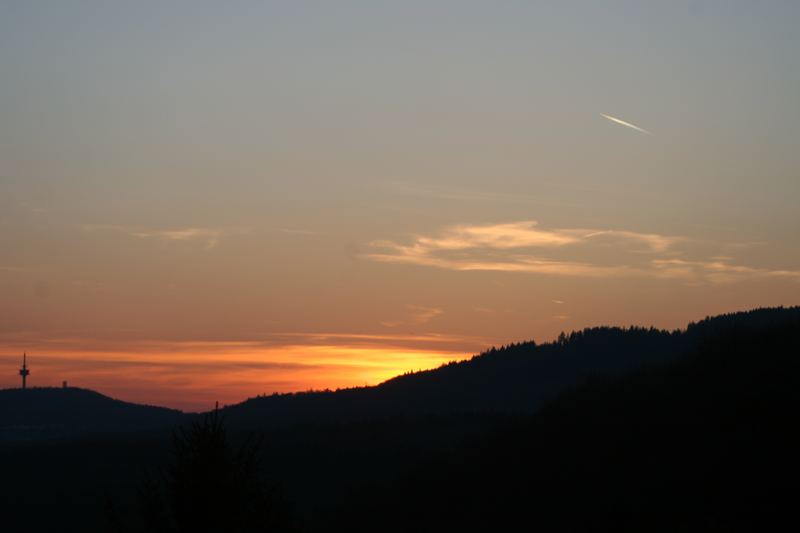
(46, 413)
(706, 443)
(513, 379)
(603, 429)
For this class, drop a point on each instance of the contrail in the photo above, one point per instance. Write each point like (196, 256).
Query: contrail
(628, 124)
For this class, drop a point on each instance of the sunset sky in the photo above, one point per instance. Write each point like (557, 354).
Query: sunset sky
(205, 201)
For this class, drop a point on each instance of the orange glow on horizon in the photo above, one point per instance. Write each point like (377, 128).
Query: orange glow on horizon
(198, 374)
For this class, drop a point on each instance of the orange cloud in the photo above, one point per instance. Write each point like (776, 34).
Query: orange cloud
(591, 253)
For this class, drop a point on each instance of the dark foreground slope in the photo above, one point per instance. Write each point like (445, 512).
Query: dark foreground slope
(697, 438)
(705, 444)
(49, 413)
(515, 379)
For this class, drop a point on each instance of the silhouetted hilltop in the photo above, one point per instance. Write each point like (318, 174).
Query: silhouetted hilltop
(759, 318)
(636, 430)
(513, 379)
(706, 443)
(52, 412)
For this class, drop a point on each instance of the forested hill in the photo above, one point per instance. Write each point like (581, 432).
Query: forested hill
(513, 379)
(705, 443)
(49, 412)
(702, 441)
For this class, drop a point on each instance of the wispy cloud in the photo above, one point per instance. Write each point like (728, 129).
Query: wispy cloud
(294, 231)
(11, 268)
(718, 271)
(418, 314)
(509, 247)
(598, 253)
(207, 236)
(125, 341)
(471, 195)
(422, 314)
(25, 206)
(210, 236)
(523, 234)
(626, 124)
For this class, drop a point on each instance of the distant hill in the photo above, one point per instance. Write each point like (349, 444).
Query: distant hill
(38, 413)
(705, 443)
(605, 429)
(513, 379)
(510, 380)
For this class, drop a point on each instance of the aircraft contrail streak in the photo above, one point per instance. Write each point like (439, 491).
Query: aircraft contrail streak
(628, 124)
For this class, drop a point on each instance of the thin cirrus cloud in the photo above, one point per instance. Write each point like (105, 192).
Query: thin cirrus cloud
(209, 236)
(13, 268)
(718, 271)
(593, 253)
(206, 236)
(522, 234)
(422, 314)
(304, 232)
(470, 195)
(419, 314)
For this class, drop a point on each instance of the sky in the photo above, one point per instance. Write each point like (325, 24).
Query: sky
(203, 202)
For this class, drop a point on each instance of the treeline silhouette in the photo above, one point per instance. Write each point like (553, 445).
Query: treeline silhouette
(513, 379)
(706, 443)
(603, 429)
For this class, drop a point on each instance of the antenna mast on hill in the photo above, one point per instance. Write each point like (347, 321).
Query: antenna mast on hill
(24, 370)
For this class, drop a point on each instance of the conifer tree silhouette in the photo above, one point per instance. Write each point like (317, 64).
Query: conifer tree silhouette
(209, 486)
